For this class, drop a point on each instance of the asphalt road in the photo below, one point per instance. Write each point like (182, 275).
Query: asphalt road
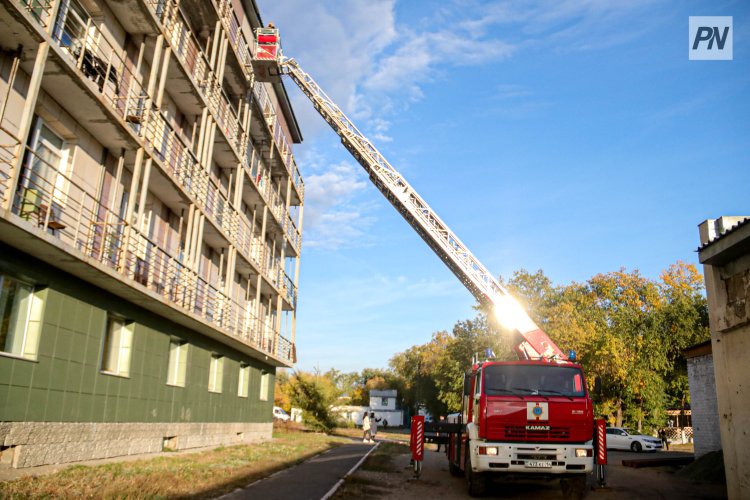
(310, 480)
(624, 483)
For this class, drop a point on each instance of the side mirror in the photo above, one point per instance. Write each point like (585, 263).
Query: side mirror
(467, 385)
(598, 386)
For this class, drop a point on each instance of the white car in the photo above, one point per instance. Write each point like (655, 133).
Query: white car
(620, 438)
(280, 414)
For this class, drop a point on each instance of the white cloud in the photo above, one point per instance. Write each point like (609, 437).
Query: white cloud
(374, 67)
(334, 216)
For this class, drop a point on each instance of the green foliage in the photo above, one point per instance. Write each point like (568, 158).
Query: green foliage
(628, 330)
(625, 328)
(314, 394)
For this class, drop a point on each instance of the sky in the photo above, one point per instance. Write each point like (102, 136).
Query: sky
(573, 137)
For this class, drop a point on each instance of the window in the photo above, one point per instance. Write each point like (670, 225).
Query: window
(264, 385)
(215, 373)
(118, 341)
(177, 363)
(244, 380)
(20, 317)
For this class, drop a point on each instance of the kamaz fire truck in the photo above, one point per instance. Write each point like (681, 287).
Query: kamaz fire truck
(531, 417)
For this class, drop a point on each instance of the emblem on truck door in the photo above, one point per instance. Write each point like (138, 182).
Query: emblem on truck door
(537, 411)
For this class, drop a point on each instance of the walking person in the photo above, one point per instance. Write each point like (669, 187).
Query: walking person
(366, 435)
(664, 440)
(373, 426)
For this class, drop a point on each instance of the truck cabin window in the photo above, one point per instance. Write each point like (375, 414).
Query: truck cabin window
(524, 380)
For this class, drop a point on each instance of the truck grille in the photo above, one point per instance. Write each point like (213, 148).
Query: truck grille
(519, 432)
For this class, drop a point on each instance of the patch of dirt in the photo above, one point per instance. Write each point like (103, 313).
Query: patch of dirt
(707, 469)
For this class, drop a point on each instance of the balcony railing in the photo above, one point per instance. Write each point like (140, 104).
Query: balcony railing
(187, 48)
(41, 10)
(97, 60)
(237, 39)
(8, 151)
(265, 104)
(53, 203)
(292, 233)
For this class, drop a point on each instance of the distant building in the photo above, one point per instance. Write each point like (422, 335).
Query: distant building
(383, 403)
(725, 255)
(150, 229)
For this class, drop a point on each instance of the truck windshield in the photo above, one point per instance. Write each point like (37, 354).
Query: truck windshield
(543, 380)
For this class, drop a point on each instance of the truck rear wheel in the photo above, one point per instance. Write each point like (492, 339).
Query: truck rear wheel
(455, 470)
(476, 481)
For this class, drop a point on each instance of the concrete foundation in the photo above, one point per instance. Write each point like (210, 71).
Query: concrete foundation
(31, 444)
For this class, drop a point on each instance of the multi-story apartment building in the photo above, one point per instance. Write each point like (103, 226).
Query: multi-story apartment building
(150, 228)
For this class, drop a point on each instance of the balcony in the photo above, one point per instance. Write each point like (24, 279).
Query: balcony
(65, 221)
(283, 155)
(197, 68)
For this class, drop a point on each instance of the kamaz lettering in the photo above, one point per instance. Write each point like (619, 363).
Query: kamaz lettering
(537, 427)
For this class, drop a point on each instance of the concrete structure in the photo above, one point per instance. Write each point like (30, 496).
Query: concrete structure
(150, 228)
(704, 411)
(725, 255)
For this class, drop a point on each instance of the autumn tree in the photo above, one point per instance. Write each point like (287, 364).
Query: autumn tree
(626, 329)
(315, 394)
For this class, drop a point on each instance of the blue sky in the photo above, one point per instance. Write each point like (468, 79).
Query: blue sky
(570, 136)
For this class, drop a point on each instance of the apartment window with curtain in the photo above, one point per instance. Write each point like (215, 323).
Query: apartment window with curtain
(244, 380)
(216, 373)
(177, 368)
(117, 347)
(264, 378)
(21, 310)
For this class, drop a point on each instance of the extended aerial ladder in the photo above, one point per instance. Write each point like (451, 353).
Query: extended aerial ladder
(269, 64)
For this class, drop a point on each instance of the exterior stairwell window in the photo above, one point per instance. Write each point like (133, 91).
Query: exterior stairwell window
(244, 381)
(117, 347)
(216, 373)
(177, 369)
(264, 379)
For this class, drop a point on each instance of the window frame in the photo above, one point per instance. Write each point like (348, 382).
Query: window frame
(177, 366)
(216, 373)
(243, 381)
(32, 322)
(126, 327)
(265, 379)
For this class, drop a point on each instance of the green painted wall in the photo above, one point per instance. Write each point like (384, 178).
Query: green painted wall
(64, 384)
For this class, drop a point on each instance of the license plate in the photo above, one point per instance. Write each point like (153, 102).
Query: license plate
(539, 464)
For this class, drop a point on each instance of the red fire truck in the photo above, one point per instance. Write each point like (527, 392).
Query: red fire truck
(531, 417)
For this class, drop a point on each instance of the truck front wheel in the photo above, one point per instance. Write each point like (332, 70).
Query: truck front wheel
(573, 488)
(476, 481)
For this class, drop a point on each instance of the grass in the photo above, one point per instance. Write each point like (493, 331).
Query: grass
(381, 460)
(193, 475)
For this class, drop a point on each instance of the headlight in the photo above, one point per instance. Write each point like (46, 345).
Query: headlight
(487, 450)
(584, 452)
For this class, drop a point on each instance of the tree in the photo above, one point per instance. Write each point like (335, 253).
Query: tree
(626, 329)
(315, 394)
(281, 391)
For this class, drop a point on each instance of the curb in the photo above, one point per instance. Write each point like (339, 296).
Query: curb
(356, 466)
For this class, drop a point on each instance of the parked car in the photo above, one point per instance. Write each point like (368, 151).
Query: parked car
(280, 414)
(620, 438)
